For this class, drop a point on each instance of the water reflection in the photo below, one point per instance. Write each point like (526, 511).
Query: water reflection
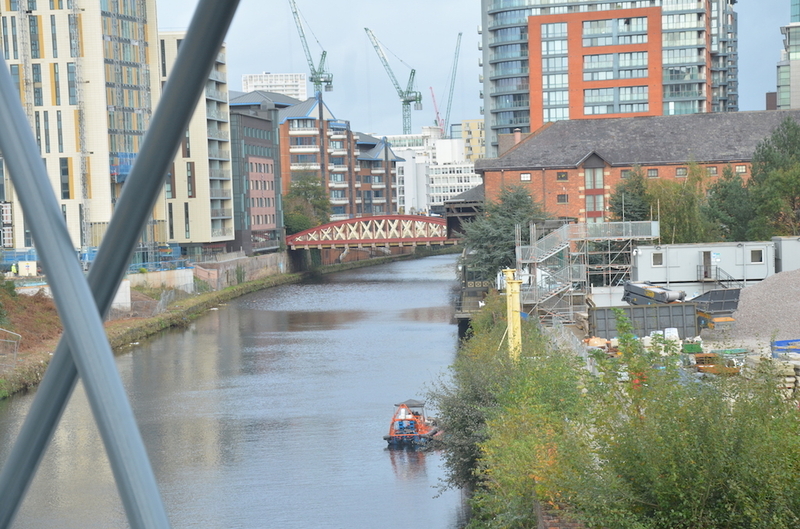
(271, 411)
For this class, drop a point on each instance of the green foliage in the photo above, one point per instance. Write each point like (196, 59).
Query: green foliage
(240, 274)
(681, 205)
(491, 235)
(775, 182)
(306, 205)
(629, 201)
(640, 445)
(729, 206)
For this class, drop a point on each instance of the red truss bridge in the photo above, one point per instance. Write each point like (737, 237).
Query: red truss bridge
(379, 231)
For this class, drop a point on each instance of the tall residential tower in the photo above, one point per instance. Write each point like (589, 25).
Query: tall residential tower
(548, 60)
(83, 71)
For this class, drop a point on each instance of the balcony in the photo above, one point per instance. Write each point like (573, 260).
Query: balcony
(304, 167)
(217, 115)
(338, 168)
(221, 57)
(339, 201)
(378, 170)
(217, 174)
(338, 134)
(303, 131)
(300, 149)
(221, 213)
(337, 151)
(218, 76)
(221, 232)
(217, 134)
(219, 154)
(219, 193)
(217, 95)
(337, 185)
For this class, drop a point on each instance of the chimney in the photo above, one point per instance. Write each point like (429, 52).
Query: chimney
(517, 136)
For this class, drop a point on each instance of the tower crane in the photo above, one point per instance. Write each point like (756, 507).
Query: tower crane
(452, 87)
(407, 96)
(319, 76)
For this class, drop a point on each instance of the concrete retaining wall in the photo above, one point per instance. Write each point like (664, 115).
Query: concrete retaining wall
(232, 272)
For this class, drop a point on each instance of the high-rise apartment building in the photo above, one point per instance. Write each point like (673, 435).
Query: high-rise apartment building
(83, 72)
(549, 60)
(789, 66)
(199, 199)
(290, 84)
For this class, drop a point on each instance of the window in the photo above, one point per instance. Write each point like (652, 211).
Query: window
(594, 178)
(652, 173)
(170, 221)
(190, 179)
(525, 177)
(33, 25)
(72, 87)
(38, 100)
(681, 172)
(562, 199)
(594, 203)
(63, 168)
(53, 36)
(625, 173)
(657, 259)
(561, 175)
(186, 219)
(741, 169)
(712, 171)
(756, 256)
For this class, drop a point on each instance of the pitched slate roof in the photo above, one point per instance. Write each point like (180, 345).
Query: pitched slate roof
(654, 140)
(380, 152)
(258, 96)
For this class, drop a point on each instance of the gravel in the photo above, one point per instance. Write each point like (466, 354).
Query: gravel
(768, 310)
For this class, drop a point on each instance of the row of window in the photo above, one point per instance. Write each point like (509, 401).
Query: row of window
(42, 130)
(256, 167)
(260, 220)
(262, 202)
(593, 177)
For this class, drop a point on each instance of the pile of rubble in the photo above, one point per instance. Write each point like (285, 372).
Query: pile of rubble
(769, 310)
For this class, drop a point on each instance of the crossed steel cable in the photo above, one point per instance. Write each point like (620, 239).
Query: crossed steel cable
(82, 302)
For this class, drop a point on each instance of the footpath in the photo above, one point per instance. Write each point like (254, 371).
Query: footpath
(32, 361)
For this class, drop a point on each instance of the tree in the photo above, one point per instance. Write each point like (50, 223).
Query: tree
(491, 236)
(629, 201)
(681, 207)
(775, 182)
(306, 205)
(729, 206)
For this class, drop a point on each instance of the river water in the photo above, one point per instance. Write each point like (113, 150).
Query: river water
(270, 412)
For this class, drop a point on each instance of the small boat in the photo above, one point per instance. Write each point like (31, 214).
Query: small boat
(410, 426)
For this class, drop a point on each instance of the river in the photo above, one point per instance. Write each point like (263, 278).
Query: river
(270, 412)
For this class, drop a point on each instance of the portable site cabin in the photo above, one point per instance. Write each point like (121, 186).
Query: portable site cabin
(705, 265)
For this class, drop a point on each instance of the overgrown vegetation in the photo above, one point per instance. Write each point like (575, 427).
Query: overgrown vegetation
(639, 445)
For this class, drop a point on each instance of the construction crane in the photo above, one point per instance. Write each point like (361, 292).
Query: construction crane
(438, 121)
(319, 76)
(407, 96)
(446, 124)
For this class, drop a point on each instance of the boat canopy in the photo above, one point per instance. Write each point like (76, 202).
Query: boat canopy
(411, 403)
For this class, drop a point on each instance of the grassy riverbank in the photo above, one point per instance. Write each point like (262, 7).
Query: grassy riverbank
(36, 320)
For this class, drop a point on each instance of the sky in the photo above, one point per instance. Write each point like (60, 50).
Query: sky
(419, 34)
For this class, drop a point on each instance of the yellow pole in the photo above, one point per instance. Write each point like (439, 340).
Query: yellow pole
(513, 314)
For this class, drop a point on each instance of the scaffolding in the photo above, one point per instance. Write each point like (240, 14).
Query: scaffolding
(559, 269)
